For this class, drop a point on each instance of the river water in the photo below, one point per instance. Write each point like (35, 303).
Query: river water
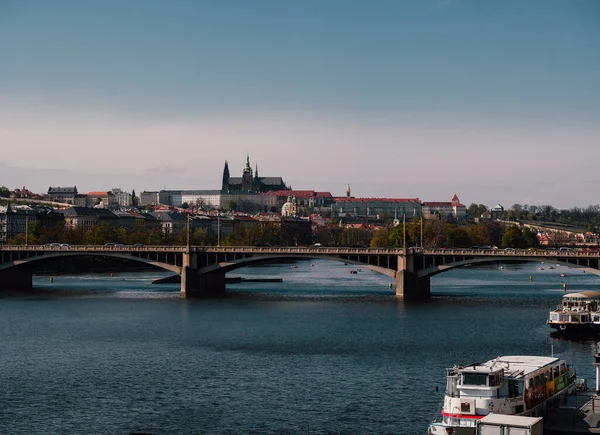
(324, 352)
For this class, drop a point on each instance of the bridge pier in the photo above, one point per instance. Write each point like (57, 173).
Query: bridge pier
(198, 285)
(410, 288)
(16, 278)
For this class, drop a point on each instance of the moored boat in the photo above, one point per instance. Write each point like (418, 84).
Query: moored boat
(510, 385)
(574, 315)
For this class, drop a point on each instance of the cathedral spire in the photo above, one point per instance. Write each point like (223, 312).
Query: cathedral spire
(225, 185)
(247, 168)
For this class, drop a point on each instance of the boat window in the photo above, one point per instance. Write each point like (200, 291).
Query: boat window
(513, 388)
(556, 372)
(474, 379)
(495, 380)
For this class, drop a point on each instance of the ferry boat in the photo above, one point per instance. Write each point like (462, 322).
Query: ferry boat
(574, 315)
(510, 385)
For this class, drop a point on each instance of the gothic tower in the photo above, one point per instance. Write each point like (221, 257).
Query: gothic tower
(225, 185)
(247, 176)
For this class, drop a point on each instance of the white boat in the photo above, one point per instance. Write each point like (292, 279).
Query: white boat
(509, 385)
(574, 315)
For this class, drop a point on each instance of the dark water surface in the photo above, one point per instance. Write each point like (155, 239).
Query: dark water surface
(324, 352)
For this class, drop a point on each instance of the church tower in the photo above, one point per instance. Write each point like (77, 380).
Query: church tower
(348, 192)
(247, 176)
(225, 184)
(255, 180)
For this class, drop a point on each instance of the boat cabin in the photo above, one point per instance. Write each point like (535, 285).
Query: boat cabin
(581, 301)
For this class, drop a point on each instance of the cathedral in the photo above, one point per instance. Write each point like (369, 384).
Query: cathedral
(250, 181)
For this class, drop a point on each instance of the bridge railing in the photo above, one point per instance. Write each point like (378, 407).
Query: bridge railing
(309, 250)
(511, 252)
(92, 248)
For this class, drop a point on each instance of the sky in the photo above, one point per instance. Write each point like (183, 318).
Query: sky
(497, 101)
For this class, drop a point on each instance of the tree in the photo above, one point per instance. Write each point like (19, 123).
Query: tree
(513, 238)
(4, 192)
(530, 237)
(458, 238)
(380, 238)
(135, 201)
(474, 210)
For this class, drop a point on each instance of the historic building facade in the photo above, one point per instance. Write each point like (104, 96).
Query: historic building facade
(440, 210)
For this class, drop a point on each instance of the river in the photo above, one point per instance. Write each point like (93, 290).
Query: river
(324, 352)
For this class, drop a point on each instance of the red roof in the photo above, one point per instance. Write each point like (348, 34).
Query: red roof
(346, 199)
(438, 204)
(455, 198)
(97, 194)
(299, 193)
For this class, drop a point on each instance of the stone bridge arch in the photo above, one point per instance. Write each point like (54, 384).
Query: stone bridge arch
(17, 274)
(437, 269)
(230, 265)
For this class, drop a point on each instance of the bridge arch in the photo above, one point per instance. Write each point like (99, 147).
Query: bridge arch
(230, 265)
(33, 261)
(437, 269)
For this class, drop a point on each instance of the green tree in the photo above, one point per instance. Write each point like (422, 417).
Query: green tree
(4, 192)
(513, 238)
(380, 238)
(135, 201)
(396, 237)
(458, 238)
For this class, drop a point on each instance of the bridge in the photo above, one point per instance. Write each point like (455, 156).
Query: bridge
(203, 268)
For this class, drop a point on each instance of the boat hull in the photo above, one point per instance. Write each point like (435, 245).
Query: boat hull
(574, 328)
(442, 429)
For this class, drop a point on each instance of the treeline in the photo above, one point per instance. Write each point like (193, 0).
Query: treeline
(43, 233)
(436, 234)
(583, 217)
(432, 234)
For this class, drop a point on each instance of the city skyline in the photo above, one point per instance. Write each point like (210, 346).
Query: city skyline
(496, 102)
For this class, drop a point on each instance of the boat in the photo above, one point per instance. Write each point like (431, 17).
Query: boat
(574, 314)
(509, 385)
(563, 275)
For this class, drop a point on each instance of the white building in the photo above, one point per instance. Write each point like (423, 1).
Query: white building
(122, 198)
(439, 210)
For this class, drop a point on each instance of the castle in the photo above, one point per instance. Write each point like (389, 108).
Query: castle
(250, 181)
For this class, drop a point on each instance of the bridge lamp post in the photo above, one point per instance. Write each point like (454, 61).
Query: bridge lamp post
(404, 233)
(188, 231)
(219, 226)
(421, 231)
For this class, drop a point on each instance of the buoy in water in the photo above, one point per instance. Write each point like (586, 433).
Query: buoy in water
(530, 278)
(564, 286)
(51, 279)
(390, 285)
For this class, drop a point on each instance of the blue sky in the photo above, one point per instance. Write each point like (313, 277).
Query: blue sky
(494, 100)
